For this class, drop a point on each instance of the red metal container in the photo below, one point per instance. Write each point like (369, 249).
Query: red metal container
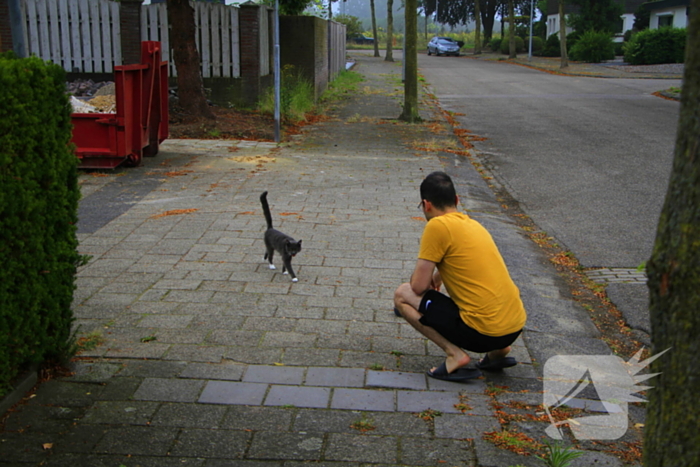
(106, 140)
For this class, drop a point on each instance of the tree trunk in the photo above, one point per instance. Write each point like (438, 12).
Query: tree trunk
(671, 435)
(389, 57)
(374, 29)
(562, 36)
(487, 20)
(190, 88)
(477, 32)
(410, 102)
(511, 29)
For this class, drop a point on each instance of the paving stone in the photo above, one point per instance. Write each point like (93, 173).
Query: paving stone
(297, 446)
(253, 355)
(195, 353)
(232, 393)
(149, 441)
(211, 444)
(189, 415)
(475, 386)
(245, 463)
(119, 388)
(121, 412)
(288, 339)
(166, 321)
(395, 380)
(274, 374)
(311, 357)
(363, 399)
(298, 396)
(67, 394)
(388, 344)
(93, 372)
(258, 418)
(362, 448)
(338, 377)
(350, 358)
(462, 426)
(151, 350)
(422, 451)
(418, 401)
(343, 342)
(43, 419)
(223, 371)
(81, 439)
(332, 421)
(398, 424)
(230, 337)
(489, 455)
(169, 390)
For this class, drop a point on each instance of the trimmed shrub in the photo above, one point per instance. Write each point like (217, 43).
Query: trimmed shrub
(495, 44)
(653, 46)
(38, 215)
(519, 45)
(537, 45)
(593, 47)
(552, 47)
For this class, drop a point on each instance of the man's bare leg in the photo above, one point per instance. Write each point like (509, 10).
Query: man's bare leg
(407, 302)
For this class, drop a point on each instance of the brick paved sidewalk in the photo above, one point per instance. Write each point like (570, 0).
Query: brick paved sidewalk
(209, 358)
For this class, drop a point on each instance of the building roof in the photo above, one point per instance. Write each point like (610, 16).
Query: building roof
(664, 4)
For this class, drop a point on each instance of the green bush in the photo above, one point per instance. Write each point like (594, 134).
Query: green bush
(593, 47)
(519, 45)
(495, 44)
(38, 215)
(653, 46)
(552, 47)
(537, 45)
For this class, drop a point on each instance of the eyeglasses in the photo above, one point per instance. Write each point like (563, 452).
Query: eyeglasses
(420, 205)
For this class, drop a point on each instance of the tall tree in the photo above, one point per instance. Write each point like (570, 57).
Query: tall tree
(190, 87)
(674, 286)
(410, 87)
(562, 36)
(389, 57)
(511, 29)
(598, 15)
(477, 32)
(374, 29)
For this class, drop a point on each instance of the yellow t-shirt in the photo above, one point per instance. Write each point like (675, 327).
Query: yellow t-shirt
(473, 273)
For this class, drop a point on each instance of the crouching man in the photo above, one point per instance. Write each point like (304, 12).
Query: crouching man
(483, 312)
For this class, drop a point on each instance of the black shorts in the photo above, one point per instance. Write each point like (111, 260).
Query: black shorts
(442, 314)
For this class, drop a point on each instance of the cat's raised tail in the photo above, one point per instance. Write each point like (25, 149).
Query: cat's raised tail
(266, 209)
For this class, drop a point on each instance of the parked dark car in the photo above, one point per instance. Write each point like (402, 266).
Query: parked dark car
(443, 46)
(360, 39)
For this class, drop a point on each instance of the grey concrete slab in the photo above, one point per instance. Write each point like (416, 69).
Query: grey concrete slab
(339, 377)
(222, 371)
(262, 419)
(298, 396)
(224, 392)
(149, 441)
(169, 390)
(274, 374)
(421, 451)
(396, 380)
(363, 399)
(221, 444)
(418, 401)
(189, 416)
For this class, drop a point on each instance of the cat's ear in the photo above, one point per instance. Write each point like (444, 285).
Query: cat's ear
(299, 242)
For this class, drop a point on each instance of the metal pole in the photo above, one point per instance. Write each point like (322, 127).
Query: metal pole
(532, 14)
(276, 71)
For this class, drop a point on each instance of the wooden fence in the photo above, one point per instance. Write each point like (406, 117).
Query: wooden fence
(84, 36)
(79, 35)
(217, 37)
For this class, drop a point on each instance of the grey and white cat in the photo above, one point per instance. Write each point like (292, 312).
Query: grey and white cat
(277, 241)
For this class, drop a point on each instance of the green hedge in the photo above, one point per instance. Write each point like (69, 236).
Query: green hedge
(653, 46)
(38, 214)
(593, 47)
(519, 45)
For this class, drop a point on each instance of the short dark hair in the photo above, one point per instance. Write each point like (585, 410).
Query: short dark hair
(439, 190)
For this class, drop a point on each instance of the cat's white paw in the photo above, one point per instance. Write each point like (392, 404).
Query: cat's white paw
(295, 280)
(272, 266)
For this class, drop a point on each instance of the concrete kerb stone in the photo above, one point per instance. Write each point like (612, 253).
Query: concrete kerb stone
(242, 354)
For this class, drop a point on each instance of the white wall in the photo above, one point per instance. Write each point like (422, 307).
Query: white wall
(680, 19)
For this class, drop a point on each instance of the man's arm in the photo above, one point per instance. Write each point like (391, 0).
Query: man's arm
(422, 277)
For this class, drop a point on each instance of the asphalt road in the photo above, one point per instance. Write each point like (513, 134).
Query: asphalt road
(587, 158)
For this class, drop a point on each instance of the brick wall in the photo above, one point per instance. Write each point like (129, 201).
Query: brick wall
(305, 46)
